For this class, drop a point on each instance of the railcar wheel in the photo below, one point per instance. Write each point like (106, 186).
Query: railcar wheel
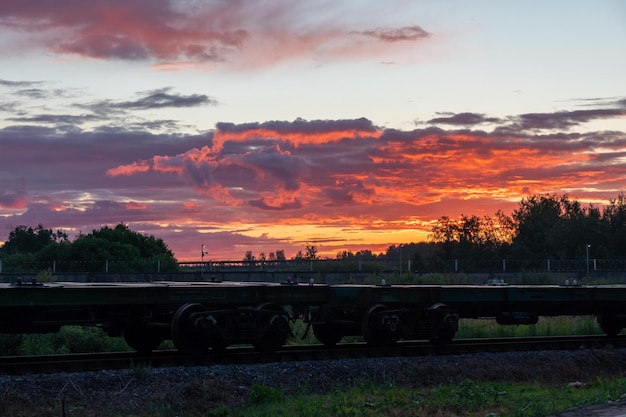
(140, 338)
(609, 325)
(327, 334)
(446, 324)
(381, 328)
(186, 335)
(277, 330)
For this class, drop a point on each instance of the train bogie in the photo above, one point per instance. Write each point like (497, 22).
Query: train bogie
(196, 328)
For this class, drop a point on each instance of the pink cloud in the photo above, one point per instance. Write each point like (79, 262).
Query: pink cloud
(13, 199)
(243, 34)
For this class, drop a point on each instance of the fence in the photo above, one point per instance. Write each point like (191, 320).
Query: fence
(494, 266)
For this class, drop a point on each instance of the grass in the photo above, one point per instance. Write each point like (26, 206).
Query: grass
(465, 399)
(547, 326)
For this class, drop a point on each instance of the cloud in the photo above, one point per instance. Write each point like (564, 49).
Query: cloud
(13, 199)
(348, 176)
(159, 99)
(19, 84)
(236, 32)
(408, 33)
(285, 205)
(564, 120)
(77, 111)
(464, 119)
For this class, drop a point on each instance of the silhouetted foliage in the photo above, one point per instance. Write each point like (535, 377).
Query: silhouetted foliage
(25, 239)
(122, 249)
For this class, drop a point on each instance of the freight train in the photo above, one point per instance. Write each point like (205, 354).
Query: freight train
(203, 316)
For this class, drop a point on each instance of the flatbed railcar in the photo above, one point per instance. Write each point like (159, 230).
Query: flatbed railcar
(200, 316)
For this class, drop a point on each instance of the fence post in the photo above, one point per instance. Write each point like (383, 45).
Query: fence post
(0, 266)
(158, 265)
(54, 267)
(548, 265)
(504, 265)
(106, 266)
(456, 265)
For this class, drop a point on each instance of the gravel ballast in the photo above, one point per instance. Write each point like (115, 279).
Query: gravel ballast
(140, 390)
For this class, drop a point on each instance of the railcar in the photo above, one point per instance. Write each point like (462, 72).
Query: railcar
(200, 316)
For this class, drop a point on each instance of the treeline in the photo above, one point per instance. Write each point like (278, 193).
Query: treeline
(119, 248)
(542, 227)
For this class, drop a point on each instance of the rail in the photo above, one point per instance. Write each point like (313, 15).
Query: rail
(243, 355)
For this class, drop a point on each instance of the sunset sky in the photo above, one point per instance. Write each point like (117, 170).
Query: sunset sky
(266, 125)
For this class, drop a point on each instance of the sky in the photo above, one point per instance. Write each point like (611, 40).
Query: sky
(272, 124)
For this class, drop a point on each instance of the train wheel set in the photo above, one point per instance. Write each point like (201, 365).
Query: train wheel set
(206, 316)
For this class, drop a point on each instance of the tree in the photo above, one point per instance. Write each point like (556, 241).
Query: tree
(249, 258)
(29, 249)
(613, 221)
(534, 219)
(311, 252)
(148, 246)
(473, 236)
(556, 227)
(25, 239)
(130, 251)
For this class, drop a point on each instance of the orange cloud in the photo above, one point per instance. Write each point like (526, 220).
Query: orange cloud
(133, 205)
(130, 169)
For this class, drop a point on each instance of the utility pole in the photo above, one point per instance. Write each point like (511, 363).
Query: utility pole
(204, 252)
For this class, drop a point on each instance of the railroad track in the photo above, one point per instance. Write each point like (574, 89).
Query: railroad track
(127, 360)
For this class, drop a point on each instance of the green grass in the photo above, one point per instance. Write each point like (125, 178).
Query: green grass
(466, 399)
(69, 339)
(547, 326)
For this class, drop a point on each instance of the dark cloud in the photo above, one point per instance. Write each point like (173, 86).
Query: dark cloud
(283, 166)
(566, 119)
(33, 93)
(301, 126)
(407, 33)
(519, 124)
(154, 100)
(58, 119)
(19, 84)
(464, 119)
(161, 99)
(105, 115)
(262, 204)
